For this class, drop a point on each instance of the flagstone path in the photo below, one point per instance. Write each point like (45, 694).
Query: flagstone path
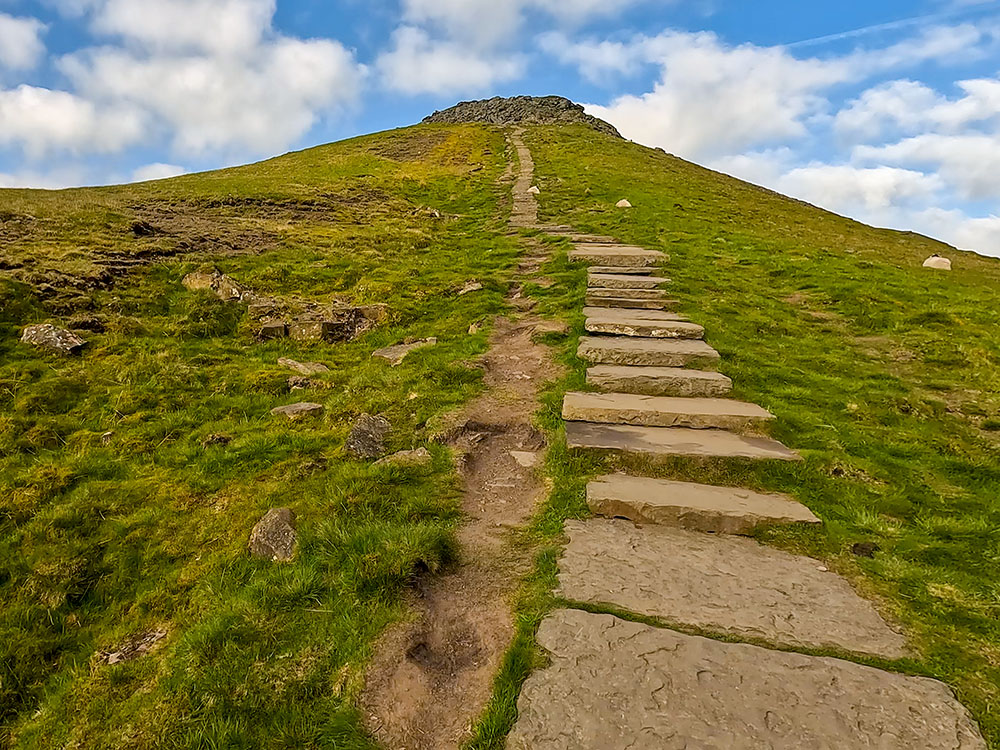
(669, 552)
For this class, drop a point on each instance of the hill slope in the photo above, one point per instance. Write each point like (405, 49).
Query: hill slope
(132, 475)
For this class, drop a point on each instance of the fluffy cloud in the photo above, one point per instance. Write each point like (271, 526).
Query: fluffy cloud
(852, 188)
(20, 42)
(416, 64)
(156, 172)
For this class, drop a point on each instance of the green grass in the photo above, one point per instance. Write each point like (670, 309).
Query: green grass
(882, 373)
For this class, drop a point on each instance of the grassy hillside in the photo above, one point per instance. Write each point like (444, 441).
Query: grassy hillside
(885, 375)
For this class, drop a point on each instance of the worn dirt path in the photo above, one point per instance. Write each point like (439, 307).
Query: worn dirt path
(432, 676)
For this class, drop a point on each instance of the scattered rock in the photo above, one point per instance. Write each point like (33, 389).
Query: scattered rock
(274, 537)
(396, 354)
(534, 190)
(937, 262)
(216, 438)
(136, 647)
(304, 368)
(300, 383)
(865, 549)
(472, 286)
(47, 336)
(367, 437)
(420, 458)
(270, 331)
(338, 324)
(224, 286)
(143, 229)
(294, 412)
(543, 110)
(623, 203)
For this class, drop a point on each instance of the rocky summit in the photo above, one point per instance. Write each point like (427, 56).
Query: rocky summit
(518, 110)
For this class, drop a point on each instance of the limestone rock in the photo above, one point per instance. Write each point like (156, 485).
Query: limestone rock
(304, 368)
(472, 286)
(48, 336)
(396, 354)
(274, 537)
(674, 441)
(340, 324)
(270, 331)
(534, 190)
(623, 203)
(639, 328)
(295, 412)
(419, 458)
(662, 411)
(659, 381)
(624, 281)
(938, 263)
(367, 437)
(647, 352)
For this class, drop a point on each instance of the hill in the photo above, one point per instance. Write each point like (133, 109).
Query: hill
(132, 614)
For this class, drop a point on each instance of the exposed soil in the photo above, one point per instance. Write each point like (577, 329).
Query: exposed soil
(432, 677)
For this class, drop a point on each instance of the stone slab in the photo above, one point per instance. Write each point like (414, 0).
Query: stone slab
(601, 350)
(395, 355)
(636, 271)
(654, 329)
(612, 685)
(635, 304)
(674, 441)
(662, 411)
(697, 507)
(624, 281)
(629, 314)
(659, 295)
(721, 584)
(659, 381)
(603, 254)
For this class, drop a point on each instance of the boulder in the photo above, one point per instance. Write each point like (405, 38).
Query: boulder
(623, 203)
(396, 354)
(303, 368)
(295, 412)
(367, 436)
(274, 537)
(270, 331)
(225, 287)
(48, 336)
(419, 458)
(340, 324)
(938, 263)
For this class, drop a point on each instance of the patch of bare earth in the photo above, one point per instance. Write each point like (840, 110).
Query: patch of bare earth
(432, 676)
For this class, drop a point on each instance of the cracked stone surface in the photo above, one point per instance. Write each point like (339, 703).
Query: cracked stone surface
(638, 304)
(624, 281)
(662, 411)
(617, 685)
(637, 294)
(614, 313)
(697, 507)
(721, 584)
(643, 352)
(654, 329)
(295, 412)
(674, 441)
(602, 254)
(659, 381)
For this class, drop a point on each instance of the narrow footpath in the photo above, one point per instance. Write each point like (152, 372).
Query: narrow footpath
(672, 551)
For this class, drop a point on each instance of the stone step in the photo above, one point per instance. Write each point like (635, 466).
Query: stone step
(629, 314)
(658, 381)
(674, 441)
(635, 304)
(721, 584)
(696, 507)
(603, 350)
(610, 683)
(624, 281)
(620, 270)
(637, 294)
(654, 329)
(662, 411)
(599, 254)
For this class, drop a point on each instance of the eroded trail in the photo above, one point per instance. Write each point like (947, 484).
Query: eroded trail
(432, 676)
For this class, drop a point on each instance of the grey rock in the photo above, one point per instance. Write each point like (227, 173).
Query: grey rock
(674, 441)
(639, 327)
(367, 437)
(396, 354)
(602, 254)
(623, 302)
(647, 352)
(224, 286)
(658, 381)
(295, 412)
(274, 537)
(662, 411)
(541, 110)
(48, 336)
(304, 368)
(617, 684)
(300, 383)
(472, 286)
(270, 331)
(624, 281)
(627, 314)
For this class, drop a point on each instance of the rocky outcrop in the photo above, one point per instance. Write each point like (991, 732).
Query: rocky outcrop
(48, 336)
(368, 436)
(518, 110)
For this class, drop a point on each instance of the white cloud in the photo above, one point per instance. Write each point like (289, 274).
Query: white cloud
(156, 171)
(847, 188)
(40, 120)
(979, 234)
(417, 64)
(21, 45)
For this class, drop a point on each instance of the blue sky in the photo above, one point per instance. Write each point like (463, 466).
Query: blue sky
(888, 112)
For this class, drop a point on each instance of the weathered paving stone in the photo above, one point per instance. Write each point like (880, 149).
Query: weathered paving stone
(624, 281)
(646, 352)
(396, 354)
(662, 411)
(613, 684)
(628, 314)
(674, 441)
(722, 584)
(635, 271)
(659, 381)
(654, 329)
(295, 412)
(697, 507)
(637, 304)
(616, 255)
(637, 294)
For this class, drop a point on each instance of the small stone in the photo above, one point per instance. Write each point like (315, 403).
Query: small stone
(300, 383)
(865, 549)
(419, 458)
(472, 286)
(224, 286)
(274, 537)
(623, 203)
(106, 438)
(396, 354)
(304, 368)
(474, 329)
(48, 336)
(294, 412)
(527, 459)
(938, 263)
(534, 190)
(367, 436)
(216, 438)
(143, 229)
(270, 331)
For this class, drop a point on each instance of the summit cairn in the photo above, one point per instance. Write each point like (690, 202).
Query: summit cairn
(518, 110)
